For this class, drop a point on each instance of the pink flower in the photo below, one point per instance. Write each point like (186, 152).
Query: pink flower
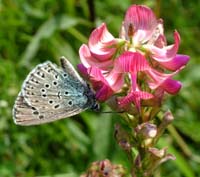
(146, 33)
(96, 58)
(137, 60)
(104, 84)
(132, 63)
(100, 49)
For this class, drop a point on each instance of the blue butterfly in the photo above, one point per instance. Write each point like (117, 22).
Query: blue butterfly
(49, 93)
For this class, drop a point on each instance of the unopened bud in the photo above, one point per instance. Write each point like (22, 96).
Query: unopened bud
(146, 132)
(167, 119)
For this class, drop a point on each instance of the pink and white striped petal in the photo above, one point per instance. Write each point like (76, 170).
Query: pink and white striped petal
(101, 43)
(88, 60)
(130, 62)
(166, 53)
(100, 84)
(105, 84)
(142, 21)
(115, 80)
(134, 97)
(163, 80)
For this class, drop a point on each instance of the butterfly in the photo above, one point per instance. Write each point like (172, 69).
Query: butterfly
(50, 93)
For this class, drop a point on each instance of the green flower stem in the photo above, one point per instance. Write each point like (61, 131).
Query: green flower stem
(179, 140)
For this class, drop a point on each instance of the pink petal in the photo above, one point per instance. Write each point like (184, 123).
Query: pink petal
(104, 93)
(105, 84)
(166, 53)
(88, 60)
(171, 86)
(96, 74)
(130, 62)
(160, 42)
(102, 43)
(175, 63)
(99, 84)
(112, 79)
(115, 80)
(143, 21)
(158, 38)
(134, 86)
(122, 33)
(158, 78)
(83, 70)
(135, 97)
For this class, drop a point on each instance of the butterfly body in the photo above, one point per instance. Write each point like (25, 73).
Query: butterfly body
(49, 93)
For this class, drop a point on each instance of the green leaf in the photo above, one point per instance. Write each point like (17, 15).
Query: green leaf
(101, 139)
(46, 30)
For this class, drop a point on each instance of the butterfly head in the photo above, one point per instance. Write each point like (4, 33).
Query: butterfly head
(95, 107)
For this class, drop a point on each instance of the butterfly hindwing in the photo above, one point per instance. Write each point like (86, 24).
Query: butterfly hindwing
(25, 114)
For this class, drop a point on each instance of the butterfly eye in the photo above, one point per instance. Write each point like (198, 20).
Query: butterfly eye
(95, 107)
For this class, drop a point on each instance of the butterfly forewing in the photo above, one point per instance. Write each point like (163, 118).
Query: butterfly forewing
(49, 94)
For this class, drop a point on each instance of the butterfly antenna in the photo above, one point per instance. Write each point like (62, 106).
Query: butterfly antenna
(112, 112)
(99, 111)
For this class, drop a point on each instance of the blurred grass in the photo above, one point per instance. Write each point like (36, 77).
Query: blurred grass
(34, 31)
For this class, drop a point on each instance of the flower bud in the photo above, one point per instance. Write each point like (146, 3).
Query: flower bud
(146, 132)
(167, 119)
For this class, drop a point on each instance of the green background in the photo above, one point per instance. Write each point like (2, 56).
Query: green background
(32, 32)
